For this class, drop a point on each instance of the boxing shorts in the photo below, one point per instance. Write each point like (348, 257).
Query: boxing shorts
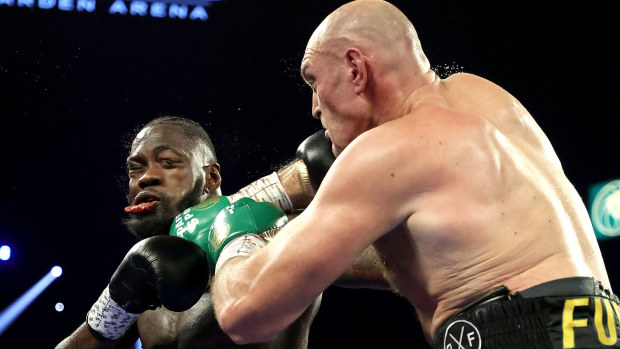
(575, 312)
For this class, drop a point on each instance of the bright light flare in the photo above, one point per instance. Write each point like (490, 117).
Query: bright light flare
(13, 311)
(5, 253)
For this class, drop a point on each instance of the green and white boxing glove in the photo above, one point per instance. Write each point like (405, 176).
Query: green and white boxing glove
(233, 231)
(196, 218)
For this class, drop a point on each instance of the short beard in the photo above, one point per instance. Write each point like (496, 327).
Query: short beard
(159, 223)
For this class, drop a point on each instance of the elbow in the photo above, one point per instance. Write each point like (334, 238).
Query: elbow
(246, 335)
(244, 338)
(245, 327)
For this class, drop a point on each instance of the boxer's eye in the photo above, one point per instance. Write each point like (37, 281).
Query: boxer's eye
(310, 81)
(312, 84)
(133, 167)
(168, 163)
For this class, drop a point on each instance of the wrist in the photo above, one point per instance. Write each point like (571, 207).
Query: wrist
(316, 153)
(303, 178)
(296, 181)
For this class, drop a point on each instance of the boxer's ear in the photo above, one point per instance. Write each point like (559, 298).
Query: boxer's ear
(213, 180)
(358, 69)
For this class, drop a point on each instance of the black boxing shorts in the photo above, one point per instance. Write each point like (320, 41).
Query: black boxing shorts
(566, 313)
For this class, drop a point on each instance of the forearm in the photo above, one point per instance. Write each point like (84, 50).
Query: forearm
(82, 338)
(289, 188)
(244, 291)
(229, 293)
(294, 185)
(365, 272)
(246, 313)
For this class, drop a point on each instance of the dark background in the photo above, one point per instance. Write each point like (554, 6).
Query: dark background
(74, 86)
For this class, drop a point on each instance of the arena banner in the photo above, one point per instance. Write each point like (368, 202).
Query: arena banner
(176, 9)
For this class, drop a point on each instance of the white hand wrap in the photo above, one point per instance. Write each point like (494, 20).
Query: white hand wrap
(241, 246)
(108, 318)
(267, 189)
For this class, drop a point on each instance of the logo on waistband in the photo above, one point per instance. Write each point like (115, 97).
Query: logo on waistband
(462, 334)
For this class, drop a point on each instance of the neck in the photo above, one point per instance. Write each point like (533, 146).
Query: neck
(213, 193)
(402, 97)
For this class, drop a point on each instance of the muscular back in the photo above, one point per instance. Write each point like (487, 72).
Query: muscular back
(198, 328)
(490, 206)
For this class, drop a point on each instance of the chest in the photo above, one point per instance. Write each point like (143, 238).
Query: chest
(162, 328)
(198, 328)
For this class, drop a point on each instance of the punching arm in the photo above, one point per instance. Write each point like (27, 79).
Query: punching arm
(294, 185)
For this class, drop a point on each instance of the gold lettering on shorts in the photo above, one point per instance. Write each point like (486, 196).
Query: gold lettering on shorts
(598, 322)
(616, 308)
(568, 323)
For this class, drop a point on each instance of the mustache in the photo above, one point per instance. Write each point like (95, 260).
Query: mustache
(163, 196)
(160, 222)
(156, 224)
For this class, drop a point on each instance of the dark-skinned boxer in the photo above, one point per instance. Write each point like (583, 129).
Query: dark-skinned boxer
(172, 167)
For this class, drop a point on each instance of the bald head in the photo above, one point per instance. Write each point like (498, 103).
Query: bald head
(377, 28)
(363, 62)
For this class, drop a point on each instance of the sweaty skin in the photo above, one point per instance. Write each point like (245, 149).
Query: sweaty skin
(452, 181)
(197, 327)
(163, 162)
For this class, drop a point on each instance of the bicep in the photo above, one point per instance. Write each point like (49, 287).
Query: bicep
(346, 217)
(352, 209)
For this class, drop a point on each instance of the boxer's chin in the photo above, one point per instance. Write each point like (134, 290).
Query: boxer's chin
(158, 223)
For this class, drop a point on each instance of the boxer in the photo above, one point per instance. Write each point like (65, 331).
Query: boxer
(160, 293)
(454, 184)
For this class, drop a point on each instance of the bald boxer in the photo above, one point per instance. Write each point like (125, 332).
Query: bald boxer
(172, 166)
(455, 185)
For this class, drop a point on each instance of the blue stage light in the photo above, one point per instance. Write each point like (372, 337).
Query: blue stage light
(14, 310)
(5, 253)
(604, 207)
(59, 307)
(56, 271)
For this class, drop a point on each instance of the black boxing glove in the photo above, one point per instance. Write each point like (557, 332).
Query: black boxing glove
(316, 153)
(314, 159)
(161, 270)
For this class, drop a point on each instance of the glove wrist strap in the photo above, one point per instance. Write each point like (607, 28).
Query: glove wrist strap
(107, 320)
(241, 246)
(268, 188)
